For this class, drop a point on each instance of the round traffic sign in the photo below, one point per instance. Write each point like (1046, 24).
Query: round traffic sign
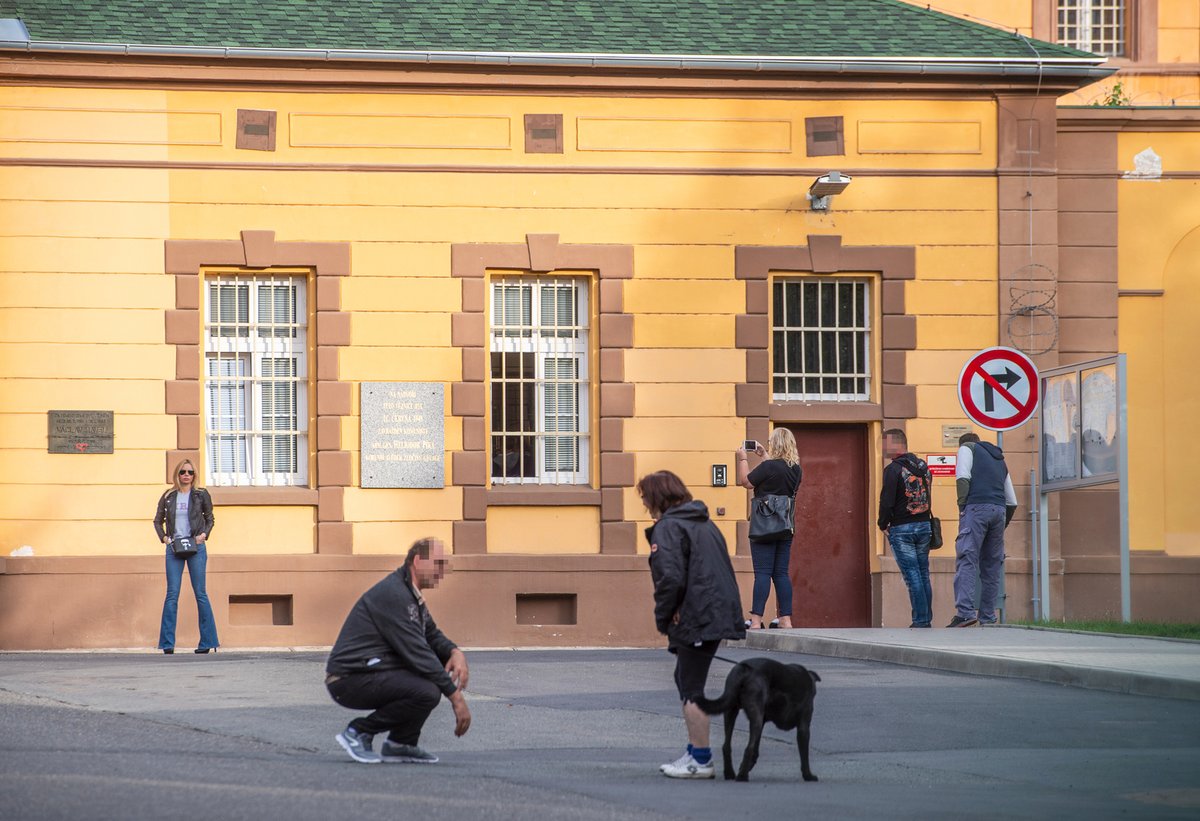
(998, 388)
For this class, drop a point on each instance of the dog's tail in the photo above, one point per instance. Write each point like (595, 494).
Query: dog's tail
(716, 706)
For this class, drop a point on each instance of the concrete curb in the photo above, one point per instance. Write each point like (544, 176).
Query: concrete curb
(980, 664)
(1043, 629)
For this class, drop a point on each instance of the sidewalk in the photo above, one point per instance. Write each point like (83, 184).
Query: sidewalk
(1124, 664)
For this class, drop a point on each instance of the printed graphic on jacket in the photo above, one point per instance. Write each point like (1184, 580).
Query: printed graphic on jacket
(914, 475)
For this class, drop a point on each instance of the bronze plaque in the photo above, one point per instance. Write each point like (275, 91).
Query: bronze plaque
(80, 431)
(950, 434)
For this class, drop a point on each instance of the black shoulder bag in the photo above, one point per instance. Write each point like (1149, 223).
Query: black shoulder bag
(183, 547)
(772, 517)
(935, 524)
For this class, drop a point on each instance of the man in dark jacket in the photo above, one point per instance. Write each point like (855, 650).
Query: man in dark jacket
(986, 504)
(904, 503)
(696, 602)
(390, 657)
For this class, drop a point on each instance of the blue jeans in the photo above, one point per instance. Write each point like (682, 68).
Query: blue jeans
(910, 546)
(208, 625)
(770, 561)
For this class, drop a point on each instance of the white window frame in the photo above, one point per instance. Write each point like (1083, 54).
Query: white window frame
(1085, 29)
(516, 336)
(782, 324)
(253, 343)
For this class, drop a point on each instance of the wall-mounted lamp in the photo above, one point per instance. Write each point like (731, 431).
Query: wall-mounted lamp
(826, 186)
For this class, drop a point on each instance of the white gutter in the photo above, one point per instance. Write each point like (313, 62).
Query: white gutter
(1006, 67)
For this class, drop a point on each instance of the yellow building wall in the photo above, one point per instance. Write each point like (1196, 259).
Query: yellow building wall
(543, 530)
(1159, 249)
(82, 288)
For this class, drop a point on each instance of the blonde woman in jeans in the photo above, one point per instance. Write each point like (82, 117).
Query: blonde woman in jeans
(185, 510)
(777, 475)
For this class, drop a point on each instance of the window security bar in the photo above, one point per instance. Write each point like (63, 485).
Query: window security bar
(256, 378)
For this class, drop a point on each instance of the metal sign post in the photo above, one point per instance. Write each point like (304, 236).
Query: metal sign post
(1123, 486)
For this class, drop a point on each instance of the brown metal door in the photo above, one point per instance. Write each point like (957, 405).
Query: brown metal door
(830, 569)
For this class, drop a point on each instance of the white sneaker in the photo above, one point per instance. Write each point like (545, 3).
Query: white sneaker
(688, 767)
(679, 762)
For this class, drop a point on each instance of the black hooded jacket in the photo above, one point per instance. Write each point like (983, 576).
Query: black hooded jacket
(896, 500)
(693, 577)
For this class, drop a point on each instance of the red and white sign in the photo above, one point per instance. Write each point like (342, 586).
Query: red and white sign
(998, 388)
(942, 464)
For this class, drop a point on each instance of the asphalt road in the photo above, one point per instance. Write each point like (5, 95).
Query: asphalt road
(573, 734)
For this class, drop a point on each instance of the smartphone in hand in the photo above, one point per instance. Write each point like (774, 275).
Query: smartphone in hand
(749, 445)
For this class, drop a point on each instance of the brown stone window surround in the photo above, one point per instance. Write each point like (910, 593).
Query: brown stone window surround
(541, 254)
(752, 332)
(257, 250)
(1141, 29)
(898, 331)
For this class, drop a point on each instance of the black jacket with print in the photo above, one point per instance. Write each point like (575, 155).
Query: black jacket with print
(200, 513)
(389, 628)
(896, 500)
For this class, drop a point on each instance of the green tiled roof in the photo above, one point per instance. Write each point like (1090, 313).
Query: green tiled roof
(766, 28)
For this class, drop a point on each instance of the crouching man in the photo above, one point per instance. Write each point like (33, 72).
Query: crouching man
(390, 657)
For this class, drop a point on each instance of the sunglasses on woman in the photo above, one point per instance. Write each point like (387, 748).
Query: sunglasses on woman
(187, 473)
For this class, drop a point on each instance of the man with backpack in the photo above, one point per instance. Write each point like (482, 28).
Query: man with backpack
(904, 513)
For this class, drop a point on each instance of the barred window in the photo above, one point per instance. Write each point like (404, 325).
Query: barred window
(539, 366)
(1097, 26)
(256, 380)
(821, 339)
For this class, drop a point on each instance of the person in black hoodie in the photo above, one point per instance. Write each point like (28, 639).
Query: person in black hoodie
(696, 602)
(390, 657)
(904, 511)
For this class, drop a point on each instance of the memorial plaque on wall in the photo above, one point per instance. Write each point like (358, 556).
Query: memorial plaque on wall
(950, 434)
(403, 430)
(80, 431)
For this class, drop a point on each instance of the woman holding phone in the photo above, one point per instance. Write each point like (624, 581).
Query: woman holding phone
(777, 475)
(185, 510)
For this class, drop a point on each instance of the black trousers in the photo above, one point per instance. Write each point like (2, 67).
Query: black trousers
(401, 702)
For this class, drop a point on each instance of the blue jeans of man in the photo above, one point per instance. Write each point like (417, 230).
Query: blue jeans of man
(170, 612)
(910, 546)
(979, 549)
(770, 561)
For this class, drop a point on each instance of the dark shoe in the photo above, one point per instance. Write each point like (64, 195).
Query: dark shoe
(204, 649)
(407, 754)
(915, 625)
(358, 745)
(168, 651)
(774, 625)
(959, 621)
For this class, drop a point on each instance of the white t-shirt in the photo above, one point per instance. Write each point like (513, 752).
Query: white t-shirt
(182, 526)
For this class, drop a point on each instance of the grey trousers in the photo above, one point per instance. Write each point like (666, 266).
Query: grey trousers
(979, 549)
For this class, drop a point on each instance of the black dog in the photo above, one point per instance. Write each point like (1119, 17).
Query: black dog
(768, 691)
